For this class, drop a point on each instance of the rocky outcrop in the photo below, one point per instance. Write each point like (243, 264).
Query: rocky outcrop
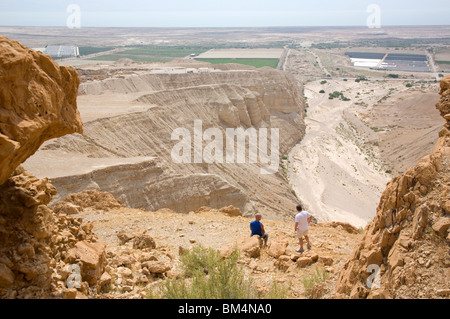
(40, 251)
(90, 198)
(38, 102)
(405, 251)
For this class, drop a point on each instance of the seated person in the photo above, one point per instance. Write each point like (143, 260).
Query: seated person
(257, 228)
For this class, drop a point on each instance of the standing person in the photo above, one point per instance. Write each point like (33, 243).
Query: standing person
(257, 228)
(302, 220)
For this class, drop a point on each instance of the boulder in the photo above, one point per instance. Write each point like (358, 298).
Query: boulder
(231, 211)
(67, 208)
(326, 260)
(304, 261)
(92, 257)
(39, 102)
(143, 242)
(441, 226)
(6, 276)
(251, 247)
(157, 266)
(277, 248)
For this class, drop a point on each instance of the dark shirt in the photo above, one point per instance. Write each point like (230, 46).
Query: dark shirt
(256, 228)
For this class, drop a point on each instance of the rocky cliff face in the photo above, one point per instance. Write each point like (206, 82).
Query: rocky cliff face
(405, 250)
(38, 102)
(37, 246)
(232, 99)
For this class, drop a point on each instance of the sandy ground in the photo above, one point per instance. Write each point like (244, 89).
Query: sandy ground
(67, 164)
(338, 169)
(94, 107)
(408, 127)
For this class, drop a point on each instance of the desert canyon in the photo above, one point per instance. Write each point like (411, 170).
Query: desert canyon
(88, 181)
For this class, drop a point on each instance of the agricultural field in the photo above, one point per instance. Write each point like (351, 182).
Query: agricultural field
(442, 58)
(87, 50)
(257, 57)
(150, 53)
(257, 63)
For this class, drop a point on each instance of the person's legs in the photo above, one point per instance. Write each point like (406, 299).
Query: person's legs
(300, 235)
(308, 244)
(265, 237)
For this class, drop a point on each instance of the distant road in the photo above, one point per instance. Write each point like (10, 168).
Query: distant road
(319, 62)
(283, 59)
(433, 66)
(369, 78)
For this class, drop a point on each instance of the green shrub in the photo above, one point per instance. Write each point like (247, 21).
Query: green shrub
(310, 280)
(209, 276)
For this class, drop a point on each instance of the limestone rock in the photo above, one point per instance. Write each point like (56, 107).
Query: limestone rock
(91, 198)
(67, 208)
(157, 267)
(326, 260)
(105, 279)
(144, 242)
(251, 247)
(6, 276)
(38, 103)
(394, 244)
(346, 226)
(92, 257)
(231, 211)
(441, 226)
(277, 248)
(304, 261)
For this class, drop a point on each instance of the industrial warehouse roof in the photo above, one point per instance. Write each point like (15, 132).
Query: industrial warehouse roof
(62, 51)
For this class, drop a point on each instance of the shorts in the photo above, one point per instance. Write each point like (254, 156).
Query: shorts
(265, 236)
(301, 233)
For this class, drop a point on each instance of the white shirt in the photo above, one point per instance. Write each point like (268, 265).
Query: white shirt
(302, 220)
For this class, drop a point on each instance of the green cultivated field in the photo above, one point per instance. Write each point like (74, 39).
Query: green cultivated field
(151, 54)
(258, 63)
(92, 50)
(166, 54)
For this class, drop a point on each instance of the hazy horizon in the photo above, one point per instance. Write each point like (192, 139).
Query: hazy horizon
(215, 14)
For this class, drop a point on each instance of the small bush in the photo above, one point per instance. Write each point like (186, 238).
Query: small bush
(337, 94)
(319, 276)
(209, 276)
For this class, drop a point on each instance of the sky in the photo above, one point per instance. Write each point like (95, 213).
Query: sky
(230, 13)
